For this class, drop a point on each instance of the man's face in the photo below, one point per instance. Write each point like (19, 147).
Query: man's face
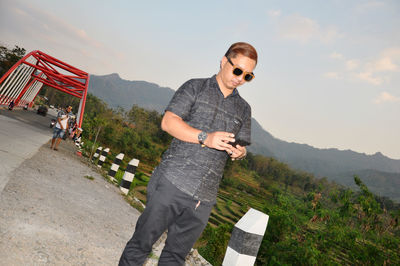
(231, 81)
(69, 109)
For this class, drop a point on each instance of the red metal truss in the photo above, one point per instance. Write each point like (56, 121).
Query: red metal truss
(23, 81)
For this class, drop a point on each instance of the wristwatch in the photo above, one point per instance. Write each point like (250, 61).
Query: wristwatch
(202, 138)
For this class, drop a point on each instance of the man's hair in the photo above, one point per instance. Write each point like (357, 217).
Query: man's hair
(242, 48)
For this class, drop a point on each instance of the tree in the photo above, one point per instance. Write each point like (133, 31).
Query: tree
(370, 208)
(8, 57)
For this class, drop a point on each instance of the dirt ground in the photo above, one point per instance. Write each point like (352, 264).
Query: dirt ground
(51, 214)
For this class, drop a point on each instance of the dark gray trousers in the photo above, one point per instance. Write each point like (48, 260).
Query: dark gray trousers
(167, 208)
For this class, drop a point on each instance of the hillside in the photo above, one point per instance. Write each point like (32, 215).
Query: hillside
(336, 165)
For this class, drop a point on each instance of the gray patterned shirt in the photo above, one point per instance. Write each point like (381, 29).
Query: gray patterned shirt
(193, 169)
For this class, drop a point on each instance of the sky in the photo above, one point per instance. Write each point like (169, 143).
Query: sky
(327, 74)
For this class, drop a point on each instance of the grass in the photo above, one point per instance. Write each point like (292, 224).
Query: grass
(89, 177)
(152, 256)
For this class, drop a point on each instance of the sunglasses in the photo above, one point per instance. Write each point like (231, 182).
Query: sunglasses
(237, 71)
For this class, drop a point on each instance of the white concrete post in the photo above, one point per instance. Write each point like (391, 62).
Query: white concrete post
(246, 239)
(115, 166)
(97, 153)
(128, 176)
(103, 157)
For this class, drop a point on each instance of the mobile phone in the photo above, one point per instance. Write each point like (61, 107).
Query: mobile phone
(240, 142)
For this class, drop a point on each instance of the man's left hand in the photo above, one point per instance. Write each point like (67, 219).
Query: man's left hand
(237, 153)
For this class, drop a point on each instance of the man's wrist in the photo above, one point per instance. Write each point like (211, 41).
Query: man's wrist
(201, 137)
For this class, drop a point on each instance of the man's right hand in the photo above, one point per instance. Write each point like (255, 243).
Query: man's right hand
(176, 127)
(219, 140)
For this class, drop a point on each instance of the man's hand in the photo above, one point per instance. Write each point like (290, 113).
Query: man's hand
(59, 122)
(237, 153)
(219, 140)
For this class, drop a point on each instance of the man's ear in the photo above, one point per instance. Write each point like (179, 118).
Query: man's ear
(223, 62)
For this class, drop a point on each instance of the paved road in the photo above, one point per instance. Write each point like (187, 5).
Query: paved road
(21, 135)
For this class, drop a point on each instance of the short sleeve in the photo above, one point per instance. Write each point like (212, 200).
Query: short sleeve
(183, 100)
(244, 133)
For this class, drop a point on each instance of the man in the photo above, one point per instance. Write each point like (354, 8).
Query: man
(205, 117)
(61, 127)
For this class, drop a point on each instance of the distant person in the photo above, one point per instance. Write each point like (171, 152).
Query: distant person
(205, 117)
(61, 127)
(11, 105)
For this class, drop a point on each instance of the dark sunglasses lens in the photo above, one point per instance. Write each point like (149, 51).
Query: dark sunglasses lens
(248, 77)
(237, 71)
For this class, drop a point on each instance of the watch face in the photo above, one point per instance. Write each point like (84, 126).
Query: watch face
(202, 137)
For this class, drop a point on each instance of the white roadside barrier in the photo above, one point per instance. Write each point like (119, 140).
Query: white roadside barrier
(103, 157)
(128, 176)
(246, 239)
(97, 153)
(115, 166)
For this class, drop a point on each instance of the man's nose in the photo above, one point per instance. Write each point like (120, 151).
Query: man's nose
(240, 78)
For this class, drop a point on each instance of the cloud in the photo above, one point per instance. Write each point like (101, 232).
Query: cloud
(370, 5)
(336, 55)
(388, 61)
(55, 35)
(274, 13)
(299, 28)
(304, 30)
(376, 71)
(386, 97)
(351, 64)
(20, 12)
(329, 34)
(39, 25)
(331, 75)
(386, 64)
(392, 52)
(367, 76)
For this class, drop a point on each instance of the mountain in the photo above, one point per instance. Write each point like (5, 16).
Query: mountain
(119, 92)
(336, 165)
(321, 162)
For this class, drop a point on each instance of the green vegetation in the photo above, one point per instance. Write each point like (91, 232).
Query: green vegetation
(89, 177)
(8, 57)
(135, 133)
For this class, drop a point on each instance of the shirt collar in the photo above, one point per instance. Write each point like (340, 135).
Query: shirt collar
(214, 83)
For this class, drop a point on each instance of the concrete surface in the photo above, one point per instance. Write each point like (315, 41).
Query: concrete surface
(51, 214)
(19, 140)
